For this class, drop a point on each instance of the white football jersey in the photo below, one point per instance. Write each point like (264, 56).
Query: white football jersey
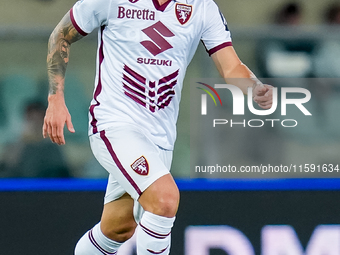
(143, 52)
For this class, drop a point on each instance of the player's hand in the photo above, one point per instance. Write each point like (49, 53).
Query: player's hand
(263, 96)
(56, 116)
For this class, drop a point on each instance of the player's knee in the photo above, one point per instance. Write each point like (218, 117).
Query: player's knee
(165, 203)
(161, 197)
(120, 233)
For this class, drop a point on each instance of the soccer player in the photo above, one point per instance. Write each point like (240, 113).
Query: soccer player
(144, 49)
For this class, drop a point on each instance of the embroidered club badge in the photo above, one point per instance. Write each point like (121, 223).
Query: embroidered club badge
(141, 166)
(183, 13)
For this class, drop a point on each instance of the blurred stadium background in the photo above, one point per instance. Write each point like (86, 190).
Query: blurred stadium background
(300, 41)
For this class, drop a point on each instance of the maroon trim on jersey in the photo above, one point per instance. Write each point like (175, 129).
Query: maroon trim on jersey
(99, 84)
(219, 47)
(161, 7)
(80, 31)
(116, 160)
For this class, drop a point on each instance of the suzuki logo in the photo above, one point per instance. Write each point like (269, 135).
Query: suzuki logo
(158, 43)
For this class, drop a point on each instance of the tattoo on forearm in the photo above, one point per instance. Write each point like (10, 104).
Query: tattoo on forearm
(64, 50)
(58, 53)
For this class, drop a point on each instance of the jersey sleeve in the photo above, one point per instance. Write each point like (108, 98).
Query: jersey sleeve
(216, 34)
(87, 15)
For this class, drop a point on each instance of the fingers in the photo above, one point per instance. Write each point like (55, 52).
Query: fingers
(58, 134)
(53, 134)
(44, 130)
(266, 105)
(54, 131)
(260, 90)
(69, 124)
(56, 116)
(262, 99)
(268, 86)
(49, 131)
(54, 128)
(263, 96)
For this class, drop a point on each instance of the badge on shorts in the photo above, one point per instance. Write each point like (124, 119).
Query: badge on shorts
(141, 166)
(183, 13)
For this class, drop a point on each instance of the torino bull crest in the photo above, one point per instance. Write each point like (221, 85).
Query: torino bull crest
(183, 13)
(141, 166)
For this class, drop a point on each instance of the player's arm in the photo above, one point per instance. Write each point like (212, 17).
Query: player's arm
(57, 113)
(230, 66)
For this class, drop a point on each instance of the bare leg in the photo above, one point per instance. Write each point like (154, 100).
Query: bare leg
(117, 226)
(160, 202)
(117, 222)
(161, 197)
